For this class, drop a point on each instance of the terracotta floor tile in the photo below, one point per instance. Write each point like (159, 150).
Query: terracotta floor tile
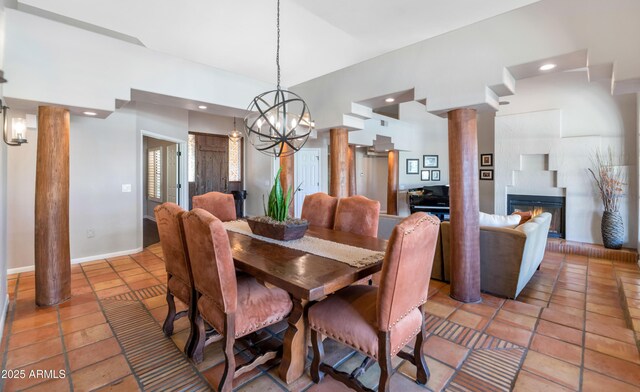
(605, 310)
(82, 322)
(490, 300)
(154, 302)
(532, 301)
(93, 353)
(612, 367)
(536, 294)
(87, 336)
(567, 309)
(623, 334)
(612, 347)
(329, 384)
(516, 319)
(79, 310)
(612, 301)
(34, 353)
(135, 278)
(33, 336)
(100, 374)
(572, 286)
(480, 309)
(522, 308)
(56, 384)
(446, 300)
(143, 284)
(470, 320)
(529, 382)
(636, 325)
(440, 374)
(557, 349)
(509, 333)
(439, 309)
(127, 384)
(34, 321)
(569, 302)
(552, 369)
(445, 351)
(53, 364)
(613, 321)
(561, 332)
(112, 291)
(595, 382)
(563, 318)
(108, 284)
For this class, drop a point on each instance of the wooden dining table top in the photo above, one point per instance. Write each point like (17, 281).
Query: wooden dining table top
(302, 274)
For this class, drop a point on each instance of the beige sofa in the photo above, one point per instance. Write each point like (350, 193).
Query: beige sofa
(508, 257)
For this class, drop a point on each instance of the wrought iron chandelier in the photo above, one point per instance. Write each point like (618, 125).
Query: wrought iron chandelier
(279, 122)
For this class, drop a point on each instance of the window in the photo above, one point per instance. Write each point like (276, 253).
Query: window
(192, 158)
(154, 174)
(235, 160)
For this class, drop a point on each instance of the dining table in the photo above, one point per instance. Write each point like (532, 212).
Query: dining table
(307, 277)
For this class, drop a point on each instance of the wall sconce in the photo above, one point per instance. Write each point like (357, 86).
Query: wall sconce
(18, 128)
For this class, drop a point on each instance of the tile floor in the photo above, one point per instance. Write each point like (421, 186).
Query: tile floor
(572, 328)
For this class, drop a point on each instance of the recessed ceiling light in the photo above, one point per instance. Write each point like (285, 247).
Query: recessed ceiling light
(547, 67)
(202, 107)
(90, 113)
(390, 99)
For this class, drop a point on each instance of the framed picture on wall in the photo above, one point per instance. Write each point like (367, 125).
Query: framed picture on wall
(486, 174)
(413, 166)
(429, 161)
(486, 160)
(425, 175)
(435, 175)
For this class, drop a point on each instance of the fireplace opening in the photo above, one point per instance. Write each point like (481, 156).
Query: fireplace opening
(539, 204)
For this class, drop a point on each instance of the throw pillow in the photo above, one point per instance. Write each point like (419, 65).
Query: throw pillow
(524, 216)
(491, 220)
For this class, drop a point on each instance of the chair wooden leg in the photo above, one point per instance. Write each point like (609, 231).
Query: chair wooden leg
(193, 313)
(422, 370)
(226, 382)
(384, 360)
(318, 354)
(167, 327)
(196, 348)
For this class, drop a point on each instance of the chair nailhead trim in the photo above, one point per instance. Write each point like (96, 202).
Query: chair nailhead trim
(399, 347)
(406, 314)
(334, 337)
(258, 326)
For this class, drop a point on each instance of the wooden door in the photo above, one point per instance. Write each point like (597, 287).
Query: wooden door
(212, 164)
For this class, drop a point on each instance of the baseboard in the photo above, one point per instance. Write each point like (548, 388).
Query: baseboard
(3, 316)
(151, 218)
(80, 260)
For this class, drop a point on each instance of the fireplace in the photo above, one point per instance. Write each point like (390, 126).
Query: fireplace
(538, 204)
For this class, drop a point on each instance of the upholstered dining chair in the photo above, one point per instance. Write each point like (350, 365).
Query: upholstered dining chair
(235, 305)
(380, 321)
(176, 259)
(221, 205)
(319, 209)
(358, 215)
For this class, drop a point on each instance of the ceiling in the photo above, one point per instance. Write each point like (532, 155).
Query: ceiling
(317, 37)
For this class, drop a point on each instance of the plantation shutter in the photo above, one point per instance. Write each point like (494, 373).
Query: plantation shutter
(154, 174)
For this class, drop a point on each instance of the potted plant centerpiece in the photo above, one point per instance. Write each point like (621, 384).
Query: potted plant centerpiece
(276, 223)
(609, 180)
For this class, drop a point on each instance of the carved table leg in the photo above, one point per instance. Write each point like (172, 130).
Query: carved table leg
(295, 343)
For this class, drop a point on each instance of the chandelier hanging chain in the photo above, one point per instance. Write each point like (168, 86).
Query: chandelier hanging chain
(278, 44)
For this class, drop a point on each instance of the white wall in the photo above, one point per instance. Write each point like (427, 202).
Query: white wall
(3, 191)
(564, 118)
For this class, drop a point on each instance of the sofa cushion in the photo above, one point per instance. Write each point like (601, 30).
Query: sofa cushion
(491, 220)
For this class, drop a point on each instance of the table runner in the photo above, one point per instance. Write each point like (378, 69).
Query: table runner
(351, 255)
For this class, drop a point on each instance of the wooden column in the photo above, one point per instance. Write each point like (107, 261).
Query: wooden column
(339, 147)
(464, 204)
(392, 183)
(52, 255)
(287, 175)
(352, 170)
